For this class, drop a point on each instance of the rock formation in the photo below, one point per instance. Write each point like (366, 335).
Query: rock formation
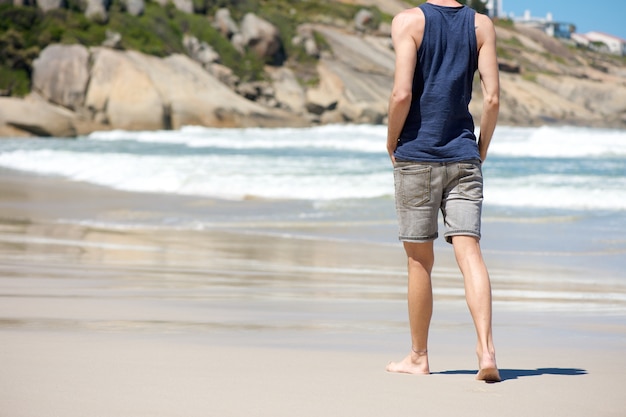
(134, 7)
(105, 88)
(76, 89)
(97, 10)
(16, 115)
(263, 38)
(61, 73)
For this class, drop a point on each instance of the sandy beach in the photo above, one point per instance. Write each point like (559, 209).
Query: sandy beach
(264, 320)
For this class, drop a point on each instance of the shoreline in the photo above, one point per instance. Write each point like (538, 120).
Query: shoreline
(168, 322)
(531, 259)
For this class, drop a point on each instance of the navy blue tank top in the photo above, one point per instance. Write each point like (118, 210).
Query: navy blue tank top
(439, 126)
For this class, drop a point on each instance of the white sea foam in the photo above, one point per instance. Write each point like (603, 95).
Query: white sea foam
(543, 142)
(558, 192)
(562, 168)
(558, 142)
(358, 138)
(234, 177)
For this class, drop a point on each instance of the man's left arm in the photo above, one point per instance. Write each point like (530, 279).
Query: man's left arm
(489, 80)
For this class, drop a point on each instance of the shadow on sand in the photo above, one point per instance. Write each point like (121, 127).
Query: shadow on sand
(507, 374)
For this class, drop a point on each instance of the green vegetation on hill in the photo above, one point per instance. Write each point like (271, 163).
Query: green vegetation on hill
(18, 47)
(25, 31)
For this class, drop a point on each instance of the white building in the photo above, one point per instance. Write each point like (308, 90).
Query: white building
(606, 43)
(546, 24)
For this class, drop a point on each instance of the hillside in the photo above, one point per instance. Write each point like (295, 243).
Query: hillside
(558, 83)
(260, 63)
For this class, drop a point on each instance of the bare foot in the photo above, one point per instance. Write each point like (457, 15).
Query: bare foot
(488, 375)
(414, 363)
(487, 369)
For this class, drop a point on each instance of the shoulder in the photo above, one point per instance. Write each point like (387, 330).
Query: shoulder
(409, 22)
(483, 20)
(485, 30)
(408, 18)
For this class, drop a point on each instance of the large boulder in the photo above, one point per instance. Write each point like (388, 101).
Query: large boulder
(35, 116)
(61, 74)
(130, 90)
(195, 97)
(108, 88)
(263, 38)
(122, 95)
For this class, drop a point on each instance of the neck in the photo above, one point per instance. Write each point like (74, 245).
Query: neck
(446, 3)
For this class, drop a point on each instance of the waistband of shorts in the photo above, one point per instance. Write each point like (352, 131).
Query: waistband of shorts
(400, 162)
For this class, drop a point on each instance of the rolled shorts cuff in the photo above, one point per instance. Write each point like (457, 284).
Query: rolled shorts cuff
(418, 239)
(450, 234)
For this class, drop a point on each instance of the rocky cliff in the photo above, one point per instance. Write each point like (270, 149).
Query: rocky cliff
(77, 89)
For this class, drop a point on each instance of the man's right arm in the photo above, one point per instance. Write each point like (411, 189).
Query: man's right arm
(402, 32)
(489, 80)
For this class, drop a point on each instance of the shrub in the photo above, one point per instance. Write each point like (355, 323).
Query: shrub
(15, 82)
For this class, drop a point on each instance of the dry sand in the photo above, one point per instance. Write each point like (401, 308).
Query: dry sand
(85, 374)
(98, 321)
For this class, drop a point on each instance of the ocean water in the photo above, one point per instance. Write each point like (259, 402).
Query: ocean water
(553, 195)
(528, 170)
(561, 168)
(547, 181)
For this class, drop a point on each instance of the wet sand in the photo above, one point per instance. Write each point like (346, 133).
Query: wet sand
(98, 320)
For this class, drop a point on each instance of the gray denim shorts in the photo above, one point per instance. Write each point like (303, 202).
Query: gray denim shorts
(424, 188)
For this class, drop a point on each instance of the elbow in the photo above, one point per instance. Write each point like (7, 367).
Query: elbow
(401, 96)
(492, 102)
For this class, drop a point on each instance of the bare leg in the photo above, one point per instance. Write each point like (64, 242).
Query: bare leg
(478, 296)
(420, 299)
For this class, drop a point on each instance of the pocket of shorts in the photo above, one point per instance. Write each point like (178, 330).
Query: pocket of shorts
(412, 185)
(470, 180)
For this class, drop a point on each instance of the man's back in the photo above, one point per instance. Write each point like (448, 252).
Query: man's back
(408, 33)
(439, 127)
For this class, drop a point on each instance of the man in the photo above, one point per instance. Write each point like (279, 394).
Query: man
(437, 160)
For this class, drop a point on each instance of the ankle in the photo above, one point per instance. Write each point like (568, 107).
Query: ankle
(486, 351)
(422, 352)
